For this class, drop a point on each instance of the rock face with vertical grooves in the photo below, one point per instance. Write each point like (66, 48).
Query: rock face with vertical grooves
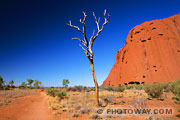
(151, 54)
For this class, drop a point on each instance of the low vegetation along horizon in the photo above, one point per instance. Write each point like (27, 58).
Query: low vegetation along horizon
(78, 102)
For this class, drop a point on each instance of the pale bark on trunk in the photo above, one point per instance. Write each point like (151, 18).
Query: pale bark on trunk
(95, 81)
(87, 45)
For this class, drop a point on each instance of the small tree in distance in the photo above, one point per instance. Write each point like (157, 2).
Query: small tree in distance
(65, 82)
(11, 83)
(23, 85)
(1, 82)
(30, 81)
(37, 84)
(87, 45)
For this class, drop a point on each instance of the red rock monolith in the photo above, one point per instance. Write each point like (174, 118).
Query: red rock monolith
(151, 54)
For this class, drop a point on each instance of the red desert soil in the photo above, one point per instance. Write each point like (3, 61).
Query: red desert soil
(33, 107)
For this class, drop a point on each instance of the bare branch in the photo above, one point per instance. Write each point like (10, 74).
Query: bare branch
(84, 17)
(92, 37)
(87, 45)
(82, 42)
(106, 20)
(78, 39)
(73, 26)
(84, 28)
(97, 21)
(82, 47)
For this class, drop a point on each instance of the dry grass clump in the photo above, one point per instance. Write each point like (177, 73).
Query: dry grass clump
(82, 105)
(11, 95)
(53, 103)
(17, 93)
(4, 102)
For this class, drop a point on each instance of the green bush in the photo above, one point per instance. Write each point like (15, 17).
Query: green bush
(51, 92)
(61, 94)
(110, 88)
(76, 88)
(173, 85)
(23, 85)
(179, 110)
(155, 90)
(120, 88)
(129, 86)
(101, 87)
(92, 89)
(138, 86)
(6, 87)
(175, 88)
(31, 87)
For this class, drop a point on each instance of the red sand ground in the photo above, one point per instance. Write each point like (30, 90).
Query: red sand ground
(27, 108)
(35, 108)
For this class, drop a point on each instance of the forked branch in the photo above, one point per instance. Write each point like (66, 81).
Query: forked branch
(106, 20)
(89, 44)
(74, 26)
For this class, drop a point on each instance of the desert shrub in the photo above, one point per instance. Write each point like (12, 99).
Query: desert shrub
(129, 86)
(109, 98)
(172, 86)
(95, 117)
(76, 88)
(6, 87)
(138, 86)
(4, 102)
(179, 110)
(175, 88)
(23, 85)
(61, 94)
(69, 88)
(166, 88)
(101, 88)
(120, 88)
(51, 92)
(13, 86)
(155, 90)
(31, 87)
(85, 110)
(92, 89)
(86, 95)
(110, 88)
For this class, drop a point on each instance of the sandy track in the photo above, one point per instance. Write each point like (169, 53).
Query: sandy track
(27, 108)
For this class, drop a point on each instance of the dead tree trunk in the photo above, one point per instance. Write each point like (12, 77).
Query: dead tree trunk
(95, 81)
(87, 45)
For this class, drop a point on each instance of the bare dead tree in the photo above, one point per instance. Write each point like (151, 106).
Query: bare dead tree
(87, 45)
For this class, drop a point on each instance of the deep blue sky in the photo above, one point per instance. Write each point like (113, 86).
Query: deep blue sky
(35, 41)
